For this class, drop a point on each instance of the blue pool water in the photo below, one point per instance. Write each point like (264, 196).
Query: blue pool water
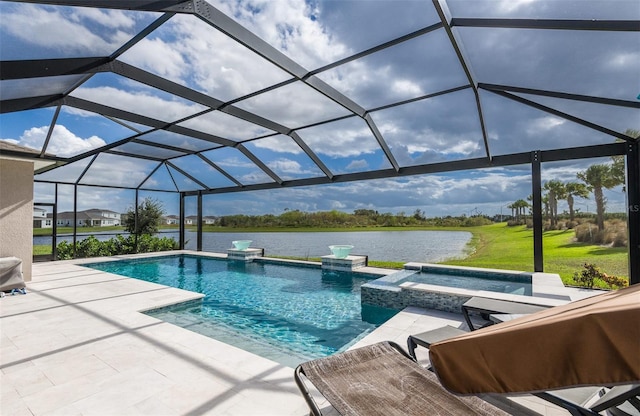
(498, 282)
(288, 314)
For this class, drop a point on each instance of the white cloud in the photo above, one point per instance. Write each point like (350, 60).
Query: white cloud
(289, 26)
(229, 127)
(404, 87)
(63, 142)
(509, 6)
(118, 170)
(140, 102)
(544, 123)
(191, 52)
(50, 28)
(425, 139)
(464, 147)
(285, 166)
(346, 138)
(294, 105)
(235, 162)
(113, 19)
(279, 144)
(622, 60)
(358, 165)
(160, 57)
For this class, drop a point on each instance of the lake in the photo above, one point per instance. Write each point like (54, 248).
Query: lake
(403, 246)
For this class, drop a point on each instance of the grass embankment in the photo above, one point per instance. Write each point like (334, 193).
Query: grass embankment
(503, 247)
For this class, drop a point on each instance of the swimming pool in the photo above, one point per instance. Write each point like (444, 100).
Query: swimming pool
(285, 313)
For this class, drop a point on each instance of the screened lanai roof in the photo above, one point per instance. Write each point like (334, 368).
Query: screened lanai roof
(220, 96)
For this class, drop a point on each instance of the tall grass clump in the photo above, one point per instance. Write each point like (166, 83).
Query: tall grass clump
(614, 233)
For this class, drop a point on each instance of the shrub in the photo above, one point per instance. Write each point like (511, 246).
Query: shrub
(586, 277)
(614, 281)
(92, 247)
(476, 221)
(592, 273)
(513, 223)
(148, 244)
(64, 251)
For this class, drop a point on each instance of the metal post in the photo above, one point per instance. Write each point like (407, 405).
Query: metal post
(135, 223)
(633, 214)
(181, 226)
(54, 231)
(536, 183)
(199, 227)
(75, 217)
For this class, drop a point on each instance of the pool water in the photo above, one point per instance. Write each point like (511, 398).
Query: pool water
(501, 283)
(286, 313)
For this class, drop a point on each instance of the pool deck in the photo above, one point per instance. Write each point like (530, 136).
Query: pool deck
(77, 344)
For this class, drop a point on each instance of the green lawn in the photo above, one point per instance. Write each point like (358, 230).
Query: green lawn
(80, 230)
(41, 250)
(499, 246)
(85, 230)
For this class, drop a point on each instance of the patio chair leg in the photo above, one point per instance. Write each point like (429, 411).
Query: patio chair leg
(411, 347)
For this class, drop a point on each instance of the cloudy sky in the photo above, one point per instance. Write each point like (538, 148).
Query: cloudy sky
(314, 34)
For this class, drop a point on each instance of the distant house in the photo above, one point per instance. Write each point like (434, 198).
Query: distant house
(193, 220)
(89, 218)
(40, 219)
(172, 219)
(209, 220)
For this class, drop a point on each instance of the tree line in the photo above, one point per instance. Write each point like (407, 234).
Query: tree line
(340, 219)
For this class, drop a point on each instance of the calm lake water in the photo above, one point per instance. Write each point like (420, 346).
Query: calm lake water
(404, 246)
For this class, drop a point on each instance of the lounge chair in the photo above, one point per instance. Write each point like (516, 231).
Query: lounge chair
(382, 379)
(579, 401)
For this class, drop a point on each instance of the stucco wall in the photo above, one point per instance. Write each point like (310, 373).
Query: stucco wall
(16, 212)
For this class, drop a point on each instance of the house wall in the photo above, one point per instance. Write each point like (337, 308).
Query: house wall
(16, 212)
(42, 223)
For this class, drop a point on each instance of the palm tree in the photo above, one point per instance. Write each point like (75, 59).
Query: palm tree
(520, 206)
(545, 203)
(597, 177)
(556, 191)
(574, 189)
(618, 161)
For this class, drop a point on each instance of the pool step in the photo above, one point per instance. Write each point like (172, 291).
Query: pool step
(394, 278)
